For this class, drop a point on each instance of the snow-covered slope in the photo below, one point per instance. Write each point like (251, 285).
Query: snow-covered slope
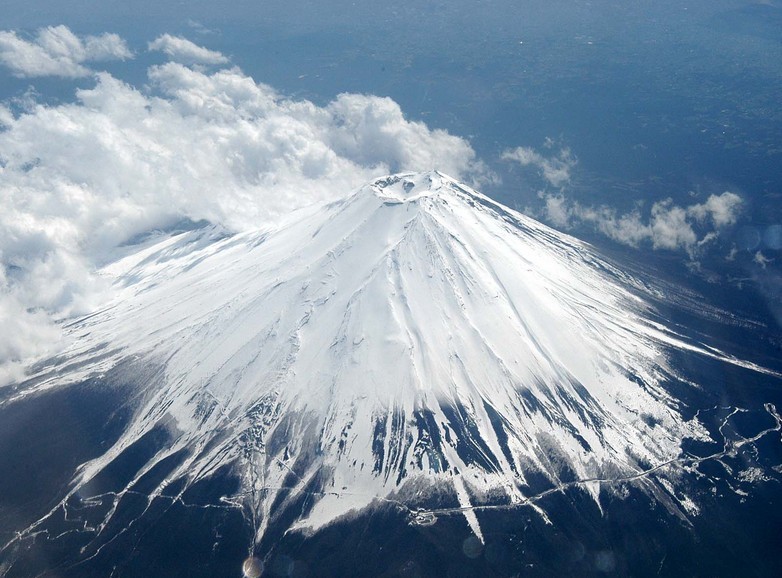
(413, 335)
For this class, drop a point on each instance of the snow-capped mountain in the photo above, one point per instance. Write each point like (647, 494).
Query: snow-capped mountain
(410, 342)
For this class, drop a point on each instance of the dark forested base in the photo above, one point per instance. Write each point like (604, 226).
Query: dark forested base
(632, 533)
(631, 537)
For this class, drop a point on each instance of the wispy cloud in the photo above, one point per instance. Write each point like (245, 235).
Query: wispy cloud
(199, 28)
(762, 260)
(555, 169)
(56, 51)
(187, 52)
(667, 226)
(79, 179)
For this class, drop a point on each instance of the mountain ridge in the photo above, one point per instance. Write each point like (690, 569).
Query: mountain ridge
(414, 335)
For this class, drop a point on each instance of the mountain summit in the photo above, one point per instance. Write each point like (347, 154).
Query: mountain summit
(413, 343)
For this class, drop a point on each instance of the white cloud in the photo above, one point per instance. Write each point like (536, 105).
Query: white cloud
(373, 130)
(184, 51)
(56, 51)
(554, 169)
(722, 210)
(762, 260)
(6, 118)
(78, 179)
(26, 334)
(668, 226)
(558, 211)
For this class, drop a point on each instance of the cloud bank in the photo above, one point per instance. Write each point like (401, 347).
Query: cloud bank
(668, 226)
(79, 179)
(56, 51)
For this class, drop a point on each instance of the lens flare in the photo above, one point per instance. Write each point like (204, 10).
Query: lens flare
(252, 567)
